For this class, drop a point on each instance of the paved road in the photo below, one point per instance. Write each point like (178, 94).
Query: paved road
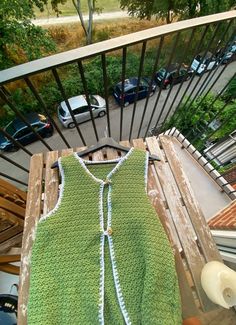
(74, 19)
(101, 123)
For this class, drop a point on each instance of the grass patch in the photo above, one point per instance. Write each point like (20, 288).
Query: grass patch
(69, 10)
(70, 36)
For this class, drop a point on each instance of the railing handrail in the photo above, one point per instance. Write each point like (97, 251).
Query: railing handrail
(60, 59)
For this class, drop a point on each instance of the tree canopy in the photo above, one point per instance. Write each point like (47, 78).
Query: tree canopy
(168, 9)
(91, 7)
(19, 37)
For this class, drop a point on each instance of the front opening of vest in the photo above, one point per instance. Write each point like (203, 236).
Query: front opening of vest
(101, 256)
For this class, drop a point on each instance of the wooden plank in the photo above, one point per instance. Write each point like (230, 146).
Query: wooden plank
(66, 152)
(5, 224)
(189, 308)
(98, 155)
(125, 143)
(11, 269)
(183, 226)
(51, 182)
(9, 258)
(188, 305)
(33, 211)
(201, 228)
(8, 244)
(79, 149)
(10, 217)
(11, 188)
(111, 154)
(10, 232)
(12, 207)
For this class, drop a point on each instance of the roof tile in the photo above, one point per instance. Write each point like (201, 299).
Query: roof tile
(225, 219)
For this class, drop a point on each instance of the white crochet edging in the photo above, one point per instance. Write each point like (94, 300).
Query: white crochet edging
(82, 163)
(146, 170)
(122, 159)
(113, 260)
(89, 162)
(61, 191)
(102, 263)
(117, 283)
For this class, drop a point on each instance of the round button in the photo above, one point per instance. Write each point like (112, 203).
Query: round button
(109, 231)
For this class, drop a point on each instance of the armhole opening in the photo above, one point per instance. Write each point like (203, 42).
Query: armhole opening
(60, 196)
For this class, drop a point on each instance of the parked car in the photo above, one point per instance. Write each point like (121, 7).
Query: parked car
(130, 88)
(173, 75)
(230, 54)
(208, 62)
(22, 133)
(80, 109)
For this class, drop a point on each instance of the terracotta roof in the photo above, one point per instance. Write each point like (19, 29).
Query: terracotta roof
(225, 219)
(230, 176)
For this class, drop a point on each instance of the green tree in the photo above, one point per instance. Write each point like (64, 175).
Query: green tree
(145, 9)
(168, 9)
(20, 40)
(196, 124)
(91, 7)
(230, 92)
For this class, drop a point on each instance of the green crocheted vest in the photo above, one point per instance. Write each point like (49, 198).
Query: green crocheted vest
(101, 255)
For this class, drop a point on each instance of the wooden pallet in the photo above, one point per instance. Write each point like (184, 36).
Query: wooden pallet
(170, 193)
(12, 214)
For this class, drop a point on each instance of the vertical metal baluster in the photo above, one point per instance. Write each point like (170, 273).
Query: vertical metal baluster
(211, 104)
(14, 109)
(200, 77)
(122, 89)
(5, 90)
(17, 143)
(183, 56)
(159, 48)
(138, 84)
(213, 84)
(13, 179)
(209, 74)
(189, 84)
(81, 70)
(162, 82)
(104, 70)
(43, 105)
(223, 124)
(14, 163)
(59, 84)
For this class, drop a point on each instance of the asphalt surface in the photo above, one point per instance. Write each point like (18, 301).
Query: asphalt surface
(115, 113)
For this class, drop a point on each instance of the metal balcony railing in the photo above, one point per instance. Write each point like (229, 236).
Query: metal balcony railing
(156, 47)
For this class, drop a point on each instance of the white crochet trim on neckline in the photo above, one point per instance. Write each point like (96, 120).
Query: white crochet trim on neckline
(98, 180)
(61, 191)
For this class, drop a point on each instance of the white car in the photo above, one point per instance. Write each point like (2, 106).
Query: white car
(80, 109)
(208, 62)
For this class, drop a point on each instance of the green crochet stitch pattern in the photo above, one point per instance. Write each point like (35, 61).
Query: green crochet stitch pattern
(66, 265)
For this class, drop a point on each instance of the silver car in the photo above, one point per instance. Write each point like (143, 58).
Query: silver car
(80, 109)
